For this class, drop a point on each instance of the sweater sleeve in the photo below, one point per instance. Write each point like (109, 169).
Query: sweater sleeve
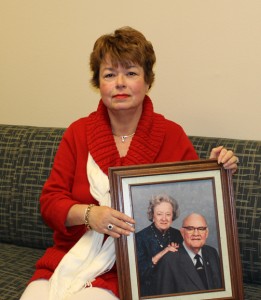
(61, 190)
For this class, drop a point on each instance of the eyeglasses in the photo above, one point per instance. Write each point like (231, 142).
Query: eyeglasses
(191, 229)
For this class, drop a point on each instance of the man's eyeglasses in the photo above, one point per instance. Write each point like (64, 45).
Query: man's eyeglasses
(192, 229)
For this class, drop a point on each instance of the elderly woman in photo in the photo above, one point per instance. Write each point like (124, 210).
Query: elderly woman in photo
(154, 241)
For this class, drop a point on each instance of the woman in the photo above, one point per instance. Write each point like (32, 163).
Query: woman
(154, 241)
(75, 201)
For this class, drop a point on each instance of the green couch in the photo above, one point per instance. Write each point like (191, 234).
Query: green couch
(26, 156)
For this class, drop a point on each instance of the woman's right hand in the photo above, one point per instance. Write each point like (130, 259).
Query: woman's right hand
(102, 216)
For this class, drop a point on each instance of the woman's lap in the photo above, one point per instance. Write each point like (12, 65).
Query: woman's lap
(39, 290)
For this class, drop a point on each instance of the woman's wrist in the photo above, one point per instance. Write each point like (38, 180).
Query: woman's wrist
(87, 215)
(157, 257)
(154, 261)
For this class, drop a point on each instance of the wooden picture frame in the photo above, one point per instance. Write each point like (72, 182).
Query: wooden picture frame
(201, 186)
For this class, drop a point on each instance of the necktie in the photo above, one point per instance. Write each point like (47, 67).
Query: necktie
(200, 269)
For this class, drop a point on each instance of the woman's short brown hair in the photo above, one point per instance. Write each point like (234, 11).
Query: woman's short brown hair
(125, 46)
(158, 199)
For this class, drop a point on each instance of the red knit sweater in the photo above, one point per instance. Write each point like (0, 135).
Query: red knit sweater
(156, 140)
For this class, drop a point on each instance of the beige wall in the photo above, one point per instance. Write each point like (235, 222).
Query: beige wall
(208, 72)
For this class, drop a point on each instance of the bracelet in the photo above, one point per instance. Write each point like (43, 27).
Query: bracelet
(86, 215)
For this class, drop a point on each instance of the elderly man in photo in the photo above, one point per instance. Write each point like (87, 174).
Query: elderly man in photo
(195, 266)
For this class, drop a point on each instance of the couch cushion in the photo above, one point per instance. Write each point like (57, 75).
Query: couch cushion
(17, 265)
(10, 138)
(32, 151)
(252, 291)
(247, 189)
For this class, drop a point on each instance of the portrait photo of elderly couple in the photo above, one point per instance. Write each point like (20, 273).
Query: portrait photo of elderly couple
(177, 239)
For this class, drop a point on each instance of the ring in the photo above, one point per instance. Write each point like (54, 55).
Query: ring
(110, 226)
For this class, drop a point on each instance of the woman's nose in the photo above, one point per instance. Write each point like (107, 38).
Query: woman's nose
(120, 81)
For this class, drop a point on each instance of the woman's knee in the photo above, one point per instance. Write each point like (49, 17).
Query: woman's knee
(38, 289)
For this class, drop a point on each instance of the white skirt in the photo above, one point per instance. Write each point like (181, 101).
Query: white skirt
(39, 290)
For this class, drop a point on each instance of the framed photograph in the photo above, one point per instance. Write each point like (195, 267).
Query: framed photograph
(180, 209)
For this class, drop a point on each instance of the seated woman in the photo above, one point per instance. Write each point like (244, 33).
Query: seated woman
(75, 201)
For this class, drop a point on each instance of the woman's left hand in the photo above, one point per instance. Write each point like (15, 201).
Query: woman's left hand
(226, 157)
(173, 247)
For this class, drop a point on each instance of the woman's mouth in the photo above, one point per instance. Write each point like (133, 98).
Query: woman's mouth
(121, 96)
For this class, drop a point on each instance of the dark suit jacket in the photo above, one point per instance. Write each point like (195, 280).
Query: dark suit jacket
(176, 272)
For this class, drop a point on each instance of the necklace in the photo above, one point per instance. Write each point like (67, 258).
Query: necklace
(124, 137)
(163, 236)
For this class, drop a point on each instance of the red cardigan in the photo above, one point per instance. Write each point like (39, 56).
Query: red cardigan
(156, 140)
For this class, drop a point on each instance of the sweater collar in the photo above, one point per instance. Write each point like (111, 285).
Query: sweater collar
(144, 146)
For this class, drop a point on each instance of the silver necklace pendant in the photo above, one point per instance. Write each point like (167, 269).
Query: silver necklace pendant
(124, 137)
(162, 237)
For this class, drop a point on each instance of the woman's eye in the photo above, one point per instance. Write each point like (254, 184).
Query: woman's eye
(109, 75)
(132, 74)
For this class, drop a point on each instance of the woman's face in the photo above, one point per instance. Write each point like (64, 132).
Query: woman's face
(122, 88)
(162, 216)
